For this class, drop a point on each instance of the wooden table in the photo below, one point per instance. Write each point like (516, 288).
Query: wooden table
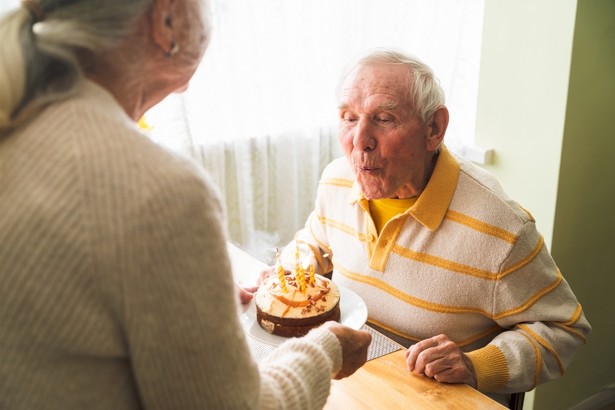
(384, 382)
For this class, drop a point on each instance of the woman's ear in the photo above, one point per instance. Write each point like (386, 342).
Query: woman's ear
(161, 23)
(436, 128)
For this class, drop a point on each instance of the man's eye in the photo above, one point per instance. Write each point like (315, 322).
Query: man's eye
(349, 118)
(384, 119)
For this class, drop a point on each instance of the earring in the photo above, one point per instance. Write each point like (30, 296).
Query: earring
(173, 50)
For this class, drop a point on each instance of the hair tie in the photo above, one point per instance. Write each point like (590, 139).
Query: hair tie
(35, 9)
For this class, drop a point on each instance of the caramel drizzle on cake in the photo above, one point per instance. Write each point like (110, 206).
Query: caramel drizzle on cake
(298, 309)
(321, 292)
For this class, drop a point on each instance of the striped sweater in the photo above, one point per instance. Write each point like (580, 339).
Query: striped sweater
(464, 260)
(117, 290)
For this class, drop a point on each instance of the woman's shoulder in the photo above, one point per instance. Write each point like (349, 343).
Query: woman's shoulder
(115, 158)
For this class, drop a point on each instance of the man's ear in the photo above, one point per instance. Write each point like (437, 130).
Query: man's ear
(161, 23)
(436, 129)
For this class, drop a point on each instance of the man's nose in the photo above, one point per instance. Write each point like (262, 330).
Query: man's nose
(363, 137)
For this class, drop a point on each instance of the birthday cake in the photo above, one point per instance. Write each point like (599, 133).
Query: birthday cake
(292, 305)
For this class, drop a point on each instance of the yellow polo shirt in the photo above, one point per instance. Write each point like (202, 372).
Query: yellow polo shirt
(382, 210)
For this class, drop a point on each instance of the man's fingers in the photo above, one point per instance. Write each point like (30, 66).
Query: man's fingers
(418, 355)
(431, 356)
(441, 359)
(439, 366)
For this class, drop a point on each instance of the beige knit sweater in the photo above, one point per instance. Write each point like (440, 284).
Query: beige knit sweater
(465, 261)
(116, 285)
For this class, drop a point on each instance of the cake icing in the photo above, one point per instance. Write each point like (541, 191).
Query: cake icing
(294, 307)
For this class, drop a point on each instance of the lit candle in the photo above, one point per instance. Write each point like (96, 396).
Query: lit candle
(311, 273)
(280, 270)
(299, 271)
(297, 263)
(302, 281)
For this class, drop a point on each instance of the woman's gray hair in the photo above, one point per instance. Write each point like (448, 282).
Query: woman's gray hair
(42, 41)
(424, 88)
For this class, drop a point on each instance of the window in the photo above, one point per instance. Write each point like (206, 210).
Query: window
(261, 111)
(273, 65)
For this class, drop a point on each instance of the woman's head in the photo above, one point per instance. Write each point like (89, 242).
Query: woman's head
(49, 45)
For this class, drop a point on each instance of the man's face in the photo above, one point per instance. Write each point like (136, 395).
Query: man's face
(383, 139)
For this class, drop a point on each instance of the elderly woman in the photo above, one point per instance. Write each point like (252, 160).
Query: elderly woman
(116, 285)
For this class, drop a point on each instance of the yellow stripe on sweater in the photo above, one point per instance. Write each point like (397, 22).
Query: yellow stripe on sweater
(466, 269)
(575, 316)
(344, 228)
(490, 331)
(423, 304)
(444, 263)
(437, 261)
(346, 183)
(572, 331)
(462, 343)
(544, 344)
(436, 307)
(538, 356)
(525, 260)
(537, 296)
(481, 226)
(394, 331)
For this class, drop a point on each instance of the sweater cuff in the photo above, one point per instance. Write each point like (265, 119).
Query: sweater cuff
(491, 368)
(331, 345)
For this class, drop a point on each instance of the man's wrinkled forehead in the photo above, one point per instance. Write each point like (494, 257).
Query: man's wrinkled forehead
(376, 79)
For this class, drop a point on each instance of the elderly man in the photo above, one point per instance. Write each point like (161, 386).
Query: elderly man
(446, 263)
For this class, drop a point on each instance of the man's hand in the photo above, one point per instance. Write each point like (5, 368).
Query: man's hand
(441, 359)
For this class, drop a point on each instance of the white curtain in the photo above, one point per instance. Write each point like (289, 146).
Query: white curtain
(260, 113)
(6, 5)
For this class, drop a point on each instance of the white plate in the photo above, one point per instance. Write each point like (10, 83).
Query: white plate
(352, 308)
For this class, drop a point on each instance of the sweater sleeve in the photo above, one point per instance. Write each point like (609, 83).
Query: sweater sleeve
(544, 321)
(187, 347)
(311, 363)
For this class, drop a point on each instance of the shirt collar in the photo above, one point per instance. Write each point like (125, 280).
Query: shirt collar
(431, 206)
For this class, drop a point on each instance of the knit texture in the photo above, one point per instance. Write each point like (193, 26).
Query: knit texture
(464, 260)
(117, 290)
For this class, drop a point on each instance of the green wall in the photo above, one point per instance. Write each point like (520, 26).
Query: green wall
(584, 229)
(546, 105)
(523, 87)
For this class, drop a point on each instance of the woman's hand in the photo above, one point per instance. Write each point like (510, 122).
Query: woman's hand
(265, 273)
(354, 347)
(246, 294)
(441, 359)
